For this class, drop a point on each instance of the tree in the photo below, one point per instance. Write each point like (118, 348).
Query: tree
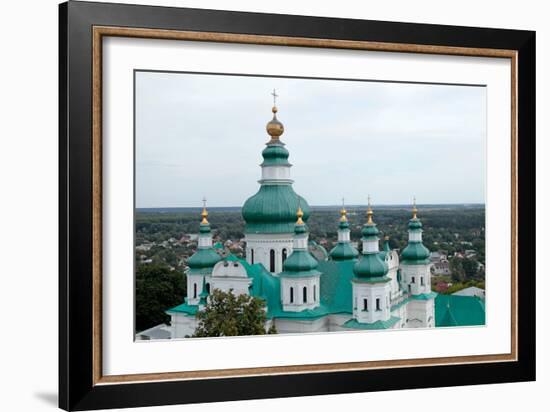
(228, 315)
(457, 271)
(158, 288)
(470, 268)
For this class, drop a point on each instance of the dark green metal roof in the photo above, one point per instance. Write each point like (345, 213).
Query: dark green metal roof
(370, 265)
(203, 258)
(370, 231)
(379, 324)
(344, 251)
(273, 210)
(455, 310)
(415, 253)
(275, 154)
(300, 263)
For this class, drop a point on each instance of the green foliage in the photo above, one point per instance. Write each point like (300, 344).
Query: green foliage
(230, 315)
(457, 270)
(157, 289)
(463, 285)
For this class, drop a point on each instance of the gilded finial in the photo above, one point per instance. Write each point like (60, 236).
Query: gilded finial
(386, 237)
(275, 128)
(299, 214)
(369, 212)
(415, 210)
(204, 213)
(343, 212)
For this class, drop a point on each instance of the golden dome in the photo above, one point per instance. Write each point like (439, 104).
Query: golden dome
(343, 214)
(274, 128)
(299, 214)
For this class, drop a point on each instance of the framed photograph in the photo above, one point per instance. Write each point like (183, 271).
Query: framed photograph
(256, 205)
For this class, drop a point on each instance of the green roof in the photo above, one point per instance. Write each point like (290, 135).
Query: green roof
(370, 231)
(415, 254)
(455, 310)
(203, 258)
(344, 251)
(370, 265)
(424, 296)
(273, 209)
(184, 308)
(379, 324)
(275, 154)
(415, 224)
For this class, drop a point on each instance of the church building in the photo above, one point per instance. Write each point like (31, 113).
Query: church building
(343, 290)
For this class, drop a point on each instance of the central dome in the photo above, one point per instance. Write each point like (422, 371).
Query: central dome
(273, 210)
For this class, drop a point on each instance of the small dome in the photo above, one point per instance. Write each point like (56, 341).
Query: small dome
(415, 224)
(370, 266)
(370, 230)
(300, 261)
(343, 251)
(415, 252)
(203, 258)
(274, 128)
(275, 154)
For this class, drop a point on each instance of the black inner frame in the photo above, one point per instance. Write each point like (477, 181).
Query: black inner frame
(76, 389)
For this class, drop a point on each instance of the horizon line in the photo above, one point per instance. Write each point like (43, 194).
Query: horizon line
(333, 205)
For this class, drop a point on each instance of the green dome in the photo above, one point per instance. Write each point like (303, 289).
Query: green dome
(203, 258)
(275, 154)
(300, 263)
(343, 251)
(415, 224)
(370, 266)
(370, 231)
(273, 210)
(344, 224)
(415, 252)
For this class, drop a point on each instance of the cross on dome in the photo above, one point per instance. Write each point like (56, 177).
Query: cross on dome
(275, 95)
(204, 212)
(369, 211)
(343, 212)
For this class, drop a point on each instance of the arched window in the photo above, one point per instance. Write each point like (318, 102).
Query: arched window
(315, 293)
(422, 280)
(284, 255)
(252, 256)
(378, 304)
(305, 295)
(365, 305)
(272, 261)
(194, 290)
(291, 295)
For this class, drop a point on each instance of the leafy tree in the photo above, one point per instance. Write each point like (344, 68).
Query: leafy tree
(457, 270)
(158, 288)
(228, 315)
(470, 268)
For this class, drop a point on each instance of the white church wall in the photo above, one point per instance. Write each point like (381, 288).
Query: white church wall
(373, 293)
(421, 314)
(262, 244)
(416, 278)
(182, 325)
(297, 303)
(301, 326)
(194, 287)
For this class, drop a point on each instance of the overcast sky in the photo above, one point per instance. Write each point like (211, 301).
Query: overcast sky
(202, 135)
